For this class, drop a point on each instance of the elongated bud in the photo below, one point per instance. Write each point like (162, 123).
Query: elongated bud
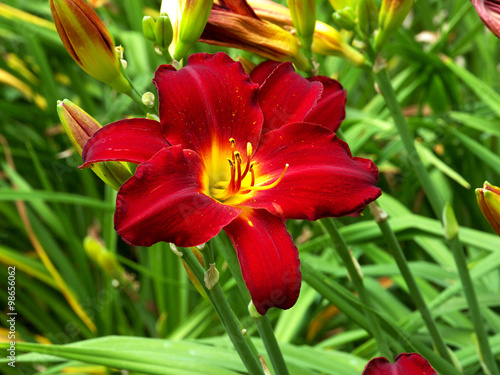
(79, 127)
(489, 12)
(450, 222)
(344, 18)
(193, 20)
(88, 41)
(303, 14)
(488, 199)
(328, 41)
(148, 28)
(341, 4)
(391, 17)
(367, 13)
(103, 257)
(163, 32)
(188, 18)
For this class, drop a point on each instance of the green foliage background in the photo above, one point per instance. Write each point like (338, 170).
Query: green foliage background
(454, 111)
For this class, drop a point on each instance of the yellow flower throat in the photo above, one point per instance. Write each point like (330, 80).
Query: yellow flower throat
(242, 180)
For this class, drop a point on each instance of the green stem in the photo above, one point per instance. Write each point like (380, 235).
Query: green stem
(137, 97)
(272, 347)
(437, 204)
(226, 316)
(263, 323)
(475, 312)
(416, 295)
(343, 251)
(384, 83)
(349, 305)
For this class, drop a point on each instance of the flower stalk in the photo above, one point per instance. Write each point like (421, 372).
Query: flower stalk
(263, 323)
(380, 217)
(471, 297)
(341, 246)
(437, 204)
(226, 316)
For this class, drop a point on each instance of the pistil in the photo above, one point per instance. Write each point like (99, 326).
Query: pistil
(235, 184)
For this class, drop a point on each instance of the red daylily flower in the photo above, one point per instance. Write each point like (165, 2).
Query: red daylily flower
(406, 364)
(237, 153)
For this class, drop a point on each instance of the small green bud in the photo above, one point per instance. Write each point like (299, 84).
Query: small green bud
(148, 99)
(367, 13)
(148, 28)
(163, 32)
(450, 222)
(344, 18)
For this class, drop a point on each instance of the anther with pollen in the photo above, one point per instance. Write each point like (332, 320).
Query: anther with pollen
(234, 185)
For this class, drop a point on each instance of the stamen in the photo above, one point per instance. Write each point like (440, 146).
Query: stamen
(233, 142)
(238, 172)
(270, 186)
(249, 155)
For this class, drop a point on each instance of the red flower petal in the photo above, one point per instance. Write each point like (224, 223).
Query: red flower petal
(209, 101)
(135, 140)
(263, 70)
(489, 12)
(268, 259)
(164, 201)
(406, 364)
(330, 109)
(286, 97)
(323, 179)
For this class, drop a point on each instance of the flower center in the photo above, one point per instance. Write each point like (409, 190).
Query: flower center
(242, 180)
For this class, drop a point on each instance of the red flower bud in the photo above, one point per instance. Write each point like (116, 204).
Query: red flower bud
(88, 41)
(488, 199)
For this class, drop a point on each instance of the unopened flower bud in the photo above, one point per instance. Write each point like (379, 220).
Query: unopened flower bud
(148, 28)
(211, 276)
(79, 127)
(188, 19)
(103, 257)
(341, 4)
(252, 310)
(367, 13)
(488, 199)
(303, 14)
(148, 99)
(164, 32)
(344, 18)
(450, 222)
(391, 17)
(88, 42)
